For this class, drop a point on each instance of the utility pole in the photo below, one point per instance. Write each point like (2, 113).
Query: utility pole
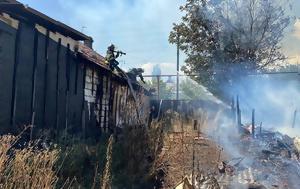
(177, 83)
(193, 164)
(298, 70)
(158, 87)
(294, 119)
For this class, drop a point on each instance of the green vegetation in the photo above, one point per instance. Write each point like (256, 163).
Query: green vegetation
(165, 92)
(224, 40)
(125, 161)
(191, 90)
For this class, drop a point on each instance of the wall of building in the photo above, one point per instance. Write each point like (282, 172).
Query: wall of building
(44, 83)
(41, 80)
(109, 102)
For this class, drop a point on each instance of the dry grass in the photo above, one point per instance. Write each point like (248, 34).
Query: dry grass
(186, 149)
(106, 183)
(5, 145)
(28, 167)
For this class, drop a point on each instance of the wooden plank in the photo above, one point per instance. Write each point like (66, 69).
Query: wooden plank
(57, 117)
(83, 110)
(7, 57)
(93, 79)
(105, 107)
(110, 102)
(23, 75)
(76, 77)
(68, 87)
(68, 67)
(116, 105)
(45, 75)
(16, 62)
(99, 96)
(33, 78)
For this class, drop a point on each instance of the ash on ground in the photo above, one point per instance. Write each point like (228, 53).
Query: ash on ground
(268, 160)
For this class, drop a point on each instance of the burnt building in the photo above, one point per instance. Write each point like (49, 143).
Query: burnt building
(51, 78)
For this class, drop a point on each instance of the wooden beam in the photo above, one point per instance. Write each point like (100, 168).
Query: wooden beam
(83, 122)
(67, 92)
(99, 97)
(110, 102)
(33, 79)
(14, 85)
(294, 119)
(105, 108)
(68, 67)
(46, 75)
(158, 87)
(93, 79)
(57, 85)
(76, 77)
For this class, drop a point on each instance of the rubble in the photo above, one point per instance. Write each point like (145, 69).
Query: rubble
(271, 161)
(297, 144)
(263, 160)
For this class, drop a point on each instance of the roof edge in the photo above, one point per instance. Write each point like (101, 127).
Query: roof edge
(10, 7)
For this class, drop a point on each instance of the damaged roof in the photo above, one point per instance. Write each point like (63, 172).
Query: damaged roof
(91, 55)
(22, 12)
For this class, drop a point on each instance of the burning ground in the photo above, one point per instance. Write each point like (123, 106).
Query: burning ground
(267, 160)
(206, 150)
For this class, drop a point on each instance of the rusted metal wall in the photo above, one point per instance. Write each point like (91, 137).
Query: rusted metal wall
(44, 83)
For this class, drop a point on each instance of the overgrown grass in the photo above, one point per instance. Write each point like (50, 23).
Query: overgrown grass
(28, 167)
(77, 163)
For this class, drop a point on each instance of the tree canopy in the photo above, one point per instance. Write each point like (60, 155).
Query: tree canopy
(226, 39)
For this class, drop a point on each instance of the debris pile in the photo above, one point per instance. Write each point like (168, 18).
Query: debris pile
(247, 158)
(271, 160)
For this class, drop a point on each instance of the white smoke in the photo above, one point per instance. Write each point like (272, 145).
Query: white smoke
(275, 98)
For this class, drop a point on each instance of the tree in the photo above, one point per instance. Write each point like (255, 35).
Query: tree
(192, 90)
(287, 68)
(164, 91)
(226, 39)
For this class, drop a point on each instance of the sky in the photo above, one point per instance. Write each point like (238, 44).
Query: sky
(138, 27)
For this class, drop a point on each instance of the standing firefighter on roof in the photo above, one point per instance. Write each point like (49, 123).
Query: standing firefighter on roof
(111, 57)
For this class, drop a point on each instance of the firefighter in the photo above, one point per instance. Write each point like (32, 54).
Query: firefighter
(140, 72)
(134, 72)
(111, 57)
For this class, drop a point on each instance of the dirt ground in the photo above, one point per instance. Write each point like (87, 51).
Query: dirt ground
(188, 151)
